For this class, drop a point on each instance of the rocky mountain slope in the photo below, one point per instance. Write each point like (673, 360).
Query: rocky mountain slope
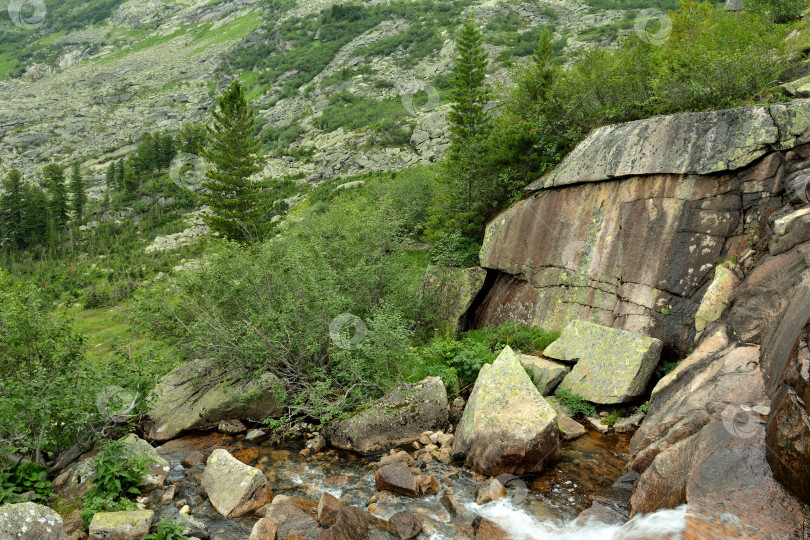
(340, 90)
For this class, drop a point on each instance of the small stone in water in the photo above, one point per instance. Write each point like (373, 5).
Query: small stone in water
(231, 427)
(186, 510)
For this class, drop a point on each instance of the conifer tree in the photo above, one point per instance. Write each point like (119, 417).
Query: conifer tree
(467, 117)
(54, 177)
(12, 210)
(78, 192)
(130, 179)
(110, 180)
(119, 174)
(37, 216)
(232, 151)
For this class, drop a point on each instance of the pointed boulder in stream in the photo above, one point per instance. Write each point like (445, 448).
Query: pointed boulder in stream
(612, 366)
(507, 426)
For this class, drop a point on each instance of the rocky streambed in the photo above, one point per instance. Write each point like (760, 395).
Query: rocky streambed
(537, 506)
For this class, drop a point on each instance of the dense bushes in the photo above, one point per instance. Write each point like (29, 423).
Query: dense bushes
(48, 389)
(273, 306)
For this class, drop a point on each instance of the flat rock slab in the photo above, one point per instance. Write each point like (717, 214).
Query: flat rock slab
(546, 374)
(687, 143)
(30, 521)
(233, 487)
(507, 426)
(121, 525)
(612, 366)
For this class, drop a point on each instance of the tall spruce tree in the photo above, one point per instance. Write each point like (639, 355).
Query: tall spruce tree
(37, 216)
(78, 192)
(467, 117)
(110, 181)
(130, 179)
(232, 150)
(54, 176)
(12, 210)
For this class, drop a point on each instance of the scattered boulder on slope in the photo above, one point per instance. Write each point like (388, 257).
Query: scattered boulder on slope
(612, 366)
(233, 487)
(30, 521)
(507, 426)
(398, 418)
(198, 395)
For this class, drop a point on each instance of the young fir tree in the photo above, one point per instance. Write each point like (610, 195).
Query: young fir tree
(467, 117)
(232, 150)
(110, 181)
(130, 179)
(12, 210)
(78, 192)
(119, 174)
(54, 177)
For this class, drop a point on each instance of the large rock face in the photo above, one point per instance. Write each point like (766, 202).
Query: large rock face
(726, 432)
(507, 426)
(198, 395)
(29, 521)
(612, 366)
(627, 231)
(398, 418)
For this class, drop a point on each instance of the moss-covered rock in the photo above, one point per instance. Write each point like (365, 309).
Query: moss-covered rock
(454, 290)
(612, 366)
(198, 395)
(398, 418)
(158, 469)
(121, 525)
(545, 374)
(234, 488)
(29, 521)
(507, 426)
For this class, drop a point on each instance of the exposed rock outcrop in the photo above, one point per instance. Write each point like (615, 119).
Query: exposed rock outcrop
(398, 418)
(507, 426)
(199, 395)
(546, 374)
(627, 231)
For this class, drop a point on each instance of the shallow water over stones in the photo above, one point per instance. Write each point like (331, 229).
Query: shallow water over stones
(535, 504)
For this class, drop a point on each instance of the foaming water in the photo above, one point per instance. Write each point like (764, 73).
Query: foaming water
(520, 525)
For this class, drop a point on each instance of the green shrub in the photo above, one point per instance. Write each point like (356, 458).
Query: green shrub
(575, 403)
(118, 476)
(118, 472)
(167, 530)
(32, 477)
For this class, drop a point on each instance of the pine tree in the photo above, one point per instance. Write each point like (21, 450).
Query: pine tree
(54, 177)
(12, 210)
(230, 193)
(78, 192)
(467, 117)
